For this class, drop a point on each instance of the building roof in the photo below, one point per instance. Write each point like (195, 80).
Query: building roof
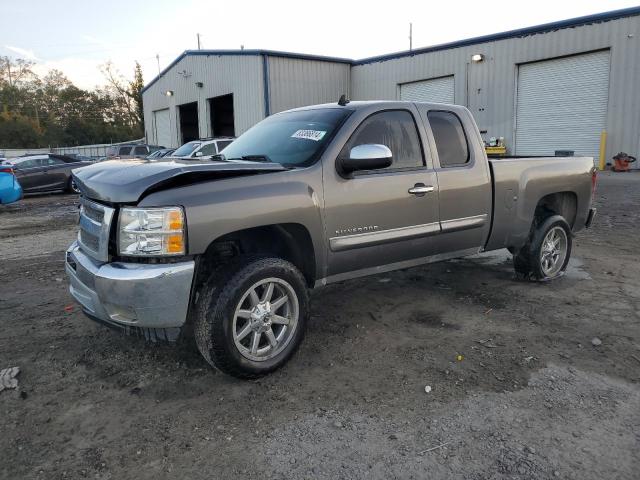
(518, 33)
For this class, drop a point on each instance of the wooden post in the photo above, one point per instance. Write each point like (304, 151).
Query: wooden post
(603, 149)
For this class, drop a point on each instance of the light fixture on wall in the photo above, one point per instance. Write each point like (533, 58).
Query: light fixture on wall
(169, 93)
(199, 84)
(477, 57)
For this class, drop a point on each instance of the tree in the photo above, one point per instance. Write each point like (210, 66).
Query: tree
(15, 72)
(51, 111)
(128, 94)
(135, 92)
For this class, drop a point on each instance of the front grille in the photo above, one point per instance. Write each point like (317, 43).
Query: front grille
(95, 225)
(89, 240)
(93, 213)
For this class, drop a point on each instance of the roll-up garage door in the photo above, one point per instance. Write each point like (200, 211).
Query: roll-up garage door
(562, 105)
(162, 128)
(438, 90)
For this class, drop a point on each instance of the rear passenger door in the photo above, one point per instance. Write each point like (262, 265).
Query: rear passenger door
(372, 218)
(464, 179)
(57, 173)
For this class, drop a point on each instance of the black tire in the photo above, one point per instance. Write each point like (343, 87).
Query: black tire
(216, 307)
(528, 261)
(71, 186)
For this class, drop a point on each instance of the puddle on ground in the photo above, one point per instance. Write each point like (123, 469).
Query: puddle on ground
(575, 269)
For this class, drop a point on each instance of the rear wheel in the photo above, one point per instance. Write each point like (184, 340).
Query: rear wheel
(547, 253)
(252, 316)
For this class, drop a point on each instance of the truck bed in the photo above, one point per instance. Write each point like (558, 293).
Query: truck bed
(520, 182)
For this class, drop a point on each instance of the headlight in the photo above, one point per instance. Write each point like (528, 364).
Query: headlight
(147, 232)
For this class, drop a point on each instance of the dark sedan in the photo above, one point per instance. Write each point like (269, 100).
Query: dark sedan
(45, 173)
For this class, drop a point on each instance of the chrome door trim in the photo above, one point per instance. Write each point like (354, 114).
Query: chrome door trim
(369, 239)
(464, 223)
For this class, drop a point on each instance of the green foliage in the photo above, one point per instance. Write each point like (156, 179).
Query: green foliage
(51, 111)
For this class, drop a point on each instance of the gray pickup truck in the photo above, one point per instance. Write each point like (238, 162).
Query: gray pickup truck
(231, 246)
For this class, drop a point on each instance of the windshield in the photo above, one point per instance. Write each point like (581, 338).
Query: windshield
(186, 149)
(291, 138)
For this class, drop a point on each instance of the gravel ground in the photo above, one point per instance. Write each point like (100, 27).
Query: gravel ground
(518, 388)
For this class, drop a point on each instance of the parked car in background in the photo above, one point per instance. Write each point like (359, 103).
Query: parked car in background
(133, 150)
(163, 152)
(45, 173)
(203, 148)
(10, 189)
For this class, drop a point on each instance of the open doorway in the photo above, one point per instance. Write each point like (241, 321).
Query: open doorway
(221, 110)
(189, 122)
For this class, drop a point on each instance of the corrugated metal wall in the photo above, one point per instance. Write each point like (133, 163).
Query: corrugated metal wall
(296, 83)
(240, 75)
(292, 83)
(488, 88)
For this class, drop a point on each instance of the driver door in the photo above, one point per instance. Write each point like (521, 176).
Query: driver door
(388, 217)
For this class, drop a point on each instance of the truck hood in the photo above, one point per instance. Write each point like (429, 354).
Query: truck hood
(127, 181)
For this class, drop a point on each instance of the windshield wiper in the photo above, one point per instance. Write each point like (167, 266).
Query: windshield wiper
(253, 158)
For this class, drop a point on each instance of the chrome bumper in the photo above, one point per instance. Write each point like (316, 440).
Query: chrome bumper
(148, 299)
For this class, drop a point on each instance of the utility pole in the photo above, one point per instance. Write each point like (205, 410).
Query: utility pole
(410, 36)
(158, 59)
(198, 35)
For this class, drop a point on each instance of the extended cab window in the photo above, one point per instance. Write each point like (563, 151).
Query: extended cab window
(395, 129)
(451, 142)
(124, 151)
(140, 151)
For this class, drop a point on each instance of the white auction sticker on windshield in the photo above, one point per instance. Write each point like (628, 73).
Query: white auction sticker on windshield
(315, 135)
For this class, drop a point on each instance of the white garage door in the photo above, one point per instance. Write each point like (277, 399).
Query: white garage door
(438, 90)
(162, 127)
(562, 105)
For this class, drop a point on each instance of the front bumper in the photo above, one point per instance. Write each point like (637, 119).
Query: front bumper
(147, 299)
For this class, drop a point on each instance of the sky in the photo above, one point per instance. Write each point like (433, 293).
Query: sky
(77, 37)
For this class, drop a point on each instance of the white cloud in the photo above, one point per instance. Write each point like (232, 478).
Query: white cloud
(23, 52)
(84, 73)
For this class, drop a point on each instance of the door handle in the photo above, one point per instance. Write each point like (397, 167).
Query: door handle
(420, 189)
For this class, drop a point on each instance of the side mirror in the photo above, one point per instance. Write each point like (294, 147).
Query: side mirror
(366, 157)
(198, 154)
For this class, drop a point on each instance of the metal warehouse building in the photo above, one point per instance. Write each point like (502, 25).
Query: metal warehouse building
(551, 87)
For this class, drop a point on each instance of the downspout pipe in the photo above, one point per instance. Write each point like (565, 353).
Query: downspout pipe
(265, 85)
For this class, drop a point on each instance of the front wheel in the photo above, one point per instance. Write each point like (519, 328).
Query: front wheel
(547, 254)
(71, 186)
(251, 316)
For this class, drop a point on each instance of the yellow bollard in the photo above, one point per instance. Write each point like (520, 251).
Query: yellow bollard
(603, 149)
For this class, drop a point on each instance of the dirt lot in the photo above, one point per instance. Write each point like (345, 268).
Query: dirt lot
(532, 396)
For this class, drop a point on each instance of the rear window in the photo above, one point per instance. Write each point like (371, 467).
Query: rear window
(223, 144)
(451, 141)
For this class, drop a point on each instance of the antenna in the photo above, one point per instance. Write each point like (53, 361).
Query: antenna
(343, 100)
(198, 35)
(410, 36)
(158, 59)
